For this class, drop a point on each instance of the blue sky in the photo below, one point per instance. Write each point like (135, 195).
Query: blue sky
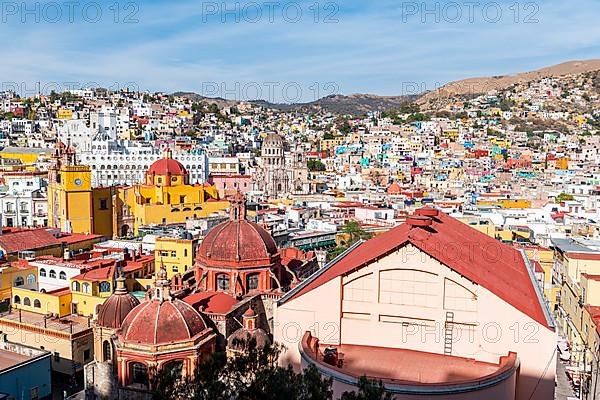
(228, 49)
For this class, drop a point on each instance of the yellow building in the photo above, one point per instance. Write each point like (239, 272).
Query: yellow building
(505, 203)
(165, 198)
(25, 155)
(16, 275)
(562, 163)
(91, 288)
(545, 259)
(64, 113)
(177, 255)
(56, 302)
(73, 206)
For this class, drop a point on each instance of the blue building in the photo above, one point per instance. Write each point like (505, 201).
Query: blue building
(24, 372)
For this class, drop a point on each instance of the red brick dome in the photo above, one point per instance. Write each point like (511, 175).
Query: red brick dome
(167, 166)
(114, 310)
(237, 242)
(161, 322)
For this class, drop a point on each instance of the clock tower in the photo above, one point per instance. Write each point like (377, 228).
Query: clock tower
(71, 199)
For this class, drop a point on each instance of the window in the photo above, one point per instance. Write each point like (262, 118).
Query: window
(37, 304)
(27, 302)
(103, 204)
(43, 272)
(17, 300)
(86, 354)
(223, 282)
(85, 287)
(359, 289)
(52, 273)
(19, 281)
(34, 393)
(173, 254)
(62, 275)
(408, 287)
(75, 286)
(185, 253)
(457, 297)
(104, 287)
(106, 350)
(252, 281)
(175, 268)
(30, 279)
(56, 356)
(140, 373)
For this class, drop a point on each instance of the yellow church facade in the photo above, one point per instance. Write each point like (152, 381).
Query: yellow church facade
(166, 197)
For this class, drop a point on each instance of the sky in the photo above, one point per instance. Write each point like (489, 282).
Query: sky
(285, 51)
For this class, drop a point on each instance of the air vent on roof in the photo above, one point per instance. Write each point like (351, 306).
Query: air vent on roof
(427, 212)
(419, 221)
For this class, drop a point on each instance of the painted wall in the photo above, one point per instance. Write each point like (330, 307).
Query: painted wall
(401, 301)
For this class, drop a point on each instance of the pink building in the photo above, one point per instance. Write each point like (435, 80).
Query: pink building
(433, 308)
(228, 185)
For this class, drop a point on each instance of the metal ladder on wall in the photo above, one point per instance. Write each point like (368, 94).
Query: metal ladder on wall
(448, 332)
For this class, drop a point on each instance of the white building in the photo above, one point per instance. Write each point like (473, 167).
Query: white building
(24, 200)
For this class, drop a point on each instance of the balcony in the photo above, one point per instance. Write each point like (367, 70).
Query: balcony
(421, 373)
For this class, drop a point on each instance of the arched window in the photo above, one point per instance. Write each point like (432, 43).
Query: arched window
(104, 287)
(62, 275)
(17, 300)
(52, 273)
(252, 281)
(222, 282)
(174, 368)
(30, 279)
(26, 301)
(37, 304)
(19, 281)
(42, 272)
(106, 350)
(85, 287)
(75, 286)
(139, 373)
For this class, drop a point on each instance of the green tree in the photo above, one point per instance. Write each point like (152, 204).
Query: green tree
(255, 374)
(315, 165)
(564, 197)
(213, 108)
(367, 390)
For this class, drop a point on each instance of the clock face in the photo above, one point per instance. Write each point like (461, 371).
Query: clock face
(78, 182)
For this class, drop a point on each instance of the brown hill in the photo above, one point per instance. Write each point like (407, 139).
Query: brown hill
(475, 86)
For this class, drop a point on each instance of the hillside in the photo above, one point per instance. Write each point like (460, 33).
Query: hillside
(475, 86)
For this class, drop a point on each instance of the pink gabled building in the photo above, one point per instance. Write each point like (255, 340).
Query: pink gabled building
(433, 308)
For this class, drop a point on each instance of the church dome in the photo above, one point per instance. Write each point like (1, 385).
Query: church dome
(237, 242)
(114, 310)
(157, 322)
(163, 319)
(273, 140)
(394, 188)
(167, 166)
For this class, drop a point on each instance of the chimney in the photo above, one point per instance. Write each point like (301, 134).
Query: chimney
(67, 254)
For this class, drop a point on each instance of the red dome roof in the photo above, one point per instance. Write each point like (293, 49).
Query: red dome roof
(167, 166)
(160, 322)
(237, 243)
(394, 189)
(116, 308)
